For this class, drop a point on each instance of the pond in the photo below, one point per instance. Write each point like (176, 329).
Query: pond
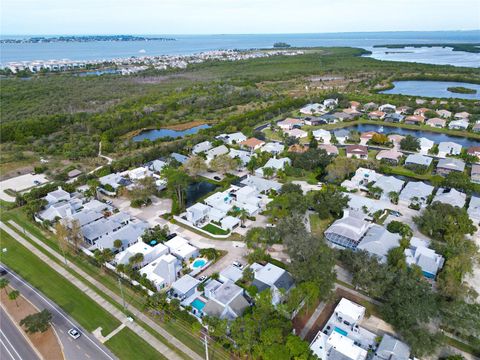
(432, 89)
(434, 136)
(163, 133)
(197, 190)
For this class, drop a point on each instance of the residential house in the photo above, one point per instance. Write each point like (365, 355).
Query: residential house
(330, 103)
(252, 144)
(387, 108)
(391, 349)
(149, 252)
(314, 120)
(127, 234)
(114, 181)
(274, 148)
(355, 105)
(347, 231)
(311, 109)
(296, 133)
(414, 120)
(421, 111)
(56, 211)
(138, 173)
(404, 110)
(475, 174)
(74, 173)
(323, 136)
(290, 123)
(450, 196)
(184, 287)
(444, 113)
(182, 159)
(201, 147)
(352, 112)
(476, 127)
(262, 185)
(230, 273)
(367, 136)
(449, 148)
(415, 160)
(474, 151)
(181, 248)
(344, 116)
(242, 155)
(158, 165)
(274, 163)
(370, 106)
(360, 204)
(274, 278)
(329, 148)
(376, 115)
(197, 214)
(427, 259)
(359, 151)
(163, 271)
(447, 165)
(474, 210)
(56, 196)
(394, 118)
(226, 302)
(229, 222)
(361, 179)
(388, 184)
(231, 139)
(436, 122)
(104, 226)
(462, 115)
(378, 241)
(396, 139)
(216, 151)
(341, 136)
(425, 145)
(416, 193)
(392, 156)
(461, 124)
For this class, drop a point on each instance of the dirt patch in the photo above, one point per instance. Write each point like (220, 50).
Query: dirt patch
(184, 126)
(46, 343)
(302, 318)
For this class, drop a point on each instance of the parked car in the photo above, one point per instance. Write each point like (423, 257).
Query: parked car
(36, 182)
(74, 333)
(2, 271)
(171, 236)
(202, 278)
(237, 264)
(217, 178)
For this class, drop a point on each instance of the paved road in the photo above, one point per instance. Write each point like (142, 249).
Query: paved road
(13, 345)
(84, 348)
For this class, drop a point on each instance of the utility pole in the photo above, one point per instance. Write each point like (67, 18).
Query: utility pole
(121, 292)
(206, 347)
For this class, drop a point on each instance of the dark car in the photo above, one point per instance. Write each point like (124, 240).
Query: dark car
(2, 271)
(217, 178)
(171, 236)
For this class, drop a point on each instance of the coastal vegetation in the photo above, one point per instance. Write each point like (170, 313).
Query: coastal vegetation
(461, 90)
(469, 47)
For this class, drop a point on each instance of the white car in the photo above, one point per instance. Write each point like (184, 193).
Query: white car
(74, 333)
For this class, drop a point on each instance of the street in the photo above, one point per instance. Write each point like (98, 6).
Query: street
(86, 347)
(13, 345)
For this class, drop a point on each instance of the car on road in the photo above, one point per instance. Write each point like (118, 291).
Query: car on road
(74, 333)
(202, 278)
(238, 265)
(36, 182)
(2, 271)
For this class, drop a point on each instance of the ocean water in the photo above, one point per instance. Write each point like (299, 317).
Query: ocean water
(190, 44)
(436, 89)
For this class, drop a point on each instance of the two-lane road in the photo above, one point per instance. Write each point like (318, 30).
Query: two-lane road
(13, 345)
(87, 347)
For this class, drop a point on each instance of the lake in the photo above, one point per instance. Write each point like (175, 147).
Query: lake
(435, 137)
(432, 89)
(197, 190)
(163, 133)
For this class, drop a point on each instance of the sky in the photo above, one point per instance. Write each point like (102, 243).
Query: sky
(234, 16)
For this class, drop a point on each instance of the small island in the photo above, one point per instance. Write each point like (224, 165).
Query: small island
(82, 38)
(281, 45)
(461, 90)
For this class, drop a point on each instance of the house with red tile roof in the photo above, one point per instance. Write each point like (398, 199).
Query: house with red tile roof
(359, 151)
(414, 120)
(377, 115)
(436, 122)
(252, 144)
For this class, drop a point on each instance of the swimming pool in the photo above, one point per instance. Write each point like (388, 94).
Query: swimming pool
(340, 331)
(198, 305)
(198, 263)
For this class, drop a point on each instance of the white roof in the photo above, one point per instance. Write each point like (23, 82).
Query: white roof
(185, 284)
(450, 196)
(261, 184)
(201, 147)
(232, 273)
(378, 241)
(229, 222)
(273, 147)
(277, 164)
(269, 274)
(185, 251)
(416, 189)
(350, 309)
(176, 242)
(219, 150)
(199, 207)
(321, 133)
(450, 147)
(346, 346)
(425, 143)
(474, 209)
(418, 159)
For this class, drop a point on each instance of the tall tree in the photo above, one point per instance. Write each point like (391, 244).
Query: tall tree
(62, 233)
(13, 295)
(177, 183)
(329, 201)
(76, 235)
(39, 322)
(195, 165)
(224, 164)
(3, 284)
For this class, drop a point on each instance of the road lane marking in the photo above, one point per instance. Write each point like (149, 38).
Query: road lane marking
(8, 351)
(57, 311)
(13, 347)
(78, 347)
(88, 356)
(61, 331)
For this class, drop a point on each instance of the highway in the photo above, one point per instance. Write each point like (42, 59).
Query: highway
(87, 347)
(13, 345)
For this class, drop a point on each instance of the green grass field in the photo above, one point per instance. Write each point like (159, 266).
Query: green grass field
(54, 286)
(215, 230)
(318, 225)
(129, 346)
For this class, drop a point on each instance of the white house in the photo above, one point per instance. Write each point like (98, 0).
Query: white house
(427, 259)
(234, 138)
(296, 133)
(274, 148)
(163, 271)
(217, 151)
(181, 248)
(201, 147)
(198, 214)
(272, 277)
(226, 302)
(242, 155)
(57, 196)
(323, 136)
(289, 123)
(425, 145)
(138, 173)
(415, 192)
(158, 165)
(311, 109)
(276, 164)
(150, 253)
(449, 148)
(474, 210)
(461, 124)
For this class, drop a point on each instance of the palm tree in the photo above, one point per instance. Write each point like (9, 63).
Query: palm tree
(3, 284)
(117, 244)
(393, 195)
(136, 259)
(13, 295)
(243, 215)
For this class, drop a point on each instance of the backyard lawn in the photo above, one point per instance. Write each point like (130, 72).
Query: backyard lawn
(129, 346)
(215, 230)
(318, 225)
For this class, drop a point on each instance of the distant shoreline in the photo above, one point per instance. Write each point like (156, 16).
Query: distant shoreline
(82, 39)
(466, 47)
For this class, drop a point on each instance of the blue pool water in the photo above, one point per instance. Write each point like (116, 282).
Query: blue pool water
(198, 304)
(199, 263)
(340, 331)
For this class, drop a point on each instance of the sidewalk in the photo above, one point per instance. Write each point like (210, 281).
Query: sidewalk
(161, 347)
